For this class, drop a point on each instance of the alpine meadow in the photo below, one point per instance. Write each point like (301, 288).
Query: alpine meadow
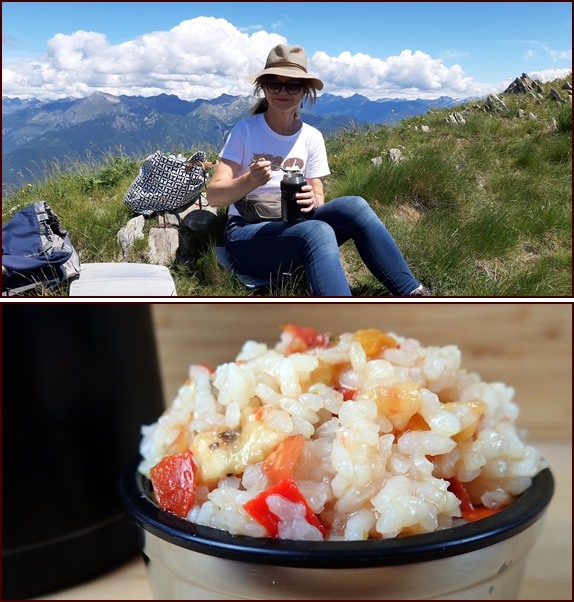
(477, 196)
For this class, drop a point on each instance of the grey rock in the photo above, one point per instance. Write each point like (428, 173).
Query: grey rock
(163, 244)
(131, 232)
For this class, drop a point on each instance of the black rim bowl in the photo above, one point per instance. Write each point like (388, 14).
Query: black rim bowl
(136, 492)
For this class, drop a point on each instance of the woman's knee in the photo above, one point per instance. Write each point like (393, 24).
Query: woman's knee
(316, 233)
(350, 201)
(347, 206)
(348, 216)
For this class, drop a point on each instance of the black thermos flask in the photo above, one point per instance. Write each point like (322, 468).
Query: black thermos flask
(291, 184)
(79, 381)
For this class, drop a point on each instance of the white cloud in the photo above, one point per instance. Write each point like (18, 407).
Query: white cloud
(542, 49)
(189, 60)
(206, 57)
(408, 75)
(560, 55)
(549, 75)
(450, 54)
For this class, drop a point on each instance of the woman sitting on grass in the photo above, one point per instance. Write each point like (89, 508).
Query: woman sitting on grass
(252, 162)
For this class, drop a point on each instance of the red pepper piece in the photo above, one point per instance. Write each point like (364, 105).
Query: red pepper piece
(348, 394)
(303, 338)
(258, 508)
(173, 481)
(469, 512)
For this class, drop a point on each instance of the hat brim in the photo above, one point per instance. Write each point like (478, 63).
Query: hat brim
(286, 72)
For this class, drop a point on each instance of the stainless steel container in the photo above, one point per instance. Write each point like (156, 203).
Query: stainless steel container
(477, 561)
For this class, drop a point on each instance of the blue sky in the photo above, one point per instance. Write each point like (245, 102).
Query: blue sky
(204, 49)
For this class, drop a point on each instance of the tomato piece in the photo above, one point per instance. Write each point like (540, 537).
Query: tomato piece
(304, 338)
(173, 481)
(348, 394)
(258, 508)
(462, 494)
(281, 462)
(469, 511)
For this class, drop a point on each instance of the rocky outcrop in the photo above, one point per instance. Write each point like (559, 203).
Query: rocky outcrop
(525, 85)
(171, 236)
(456, 119)
(131, 232)
(495, 104)
(554, 95)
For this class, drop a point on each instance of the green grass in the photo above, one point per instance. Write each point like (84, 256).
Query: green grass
(478, 209)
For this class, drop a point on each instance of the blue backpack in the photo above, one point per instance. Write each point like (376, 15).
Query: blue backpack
(36, 251)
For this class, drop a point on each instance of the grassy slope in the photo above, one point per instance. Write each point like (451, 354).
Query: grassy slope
(478, 209)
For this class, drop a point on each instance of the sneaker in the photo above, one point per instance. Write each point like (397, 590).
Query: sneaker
(421, 291)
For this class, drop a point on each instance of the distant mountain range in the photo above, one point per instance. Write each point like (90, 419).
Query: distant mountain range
(36, 134)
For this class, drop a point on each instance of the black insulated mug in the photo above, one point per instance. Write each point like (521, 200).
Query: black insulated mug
(79, 381)
(291, 184)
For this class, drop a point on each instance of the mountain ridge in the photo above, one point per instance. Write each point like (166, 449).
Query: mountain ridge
(38, 133)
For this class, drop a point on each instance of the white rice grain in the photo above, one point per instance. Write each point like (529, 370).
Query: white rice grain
(383, 436)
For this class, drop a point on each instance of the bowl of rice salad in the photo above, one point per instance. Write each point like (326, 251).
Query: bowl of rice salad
(361, 465)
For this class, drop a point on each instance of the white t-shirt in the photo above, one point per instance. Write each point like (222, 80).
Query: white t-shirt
(252, 139)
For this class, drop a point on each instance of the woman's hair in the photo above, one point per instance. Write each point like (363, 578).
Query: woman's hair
(262, 105)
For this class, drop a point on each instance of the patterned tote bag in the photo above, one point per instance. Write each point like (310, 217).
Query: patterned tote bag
(166, 182)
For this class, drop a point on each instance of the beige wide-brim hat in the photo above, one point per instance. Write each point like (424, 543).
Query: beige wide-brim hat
(287, 61)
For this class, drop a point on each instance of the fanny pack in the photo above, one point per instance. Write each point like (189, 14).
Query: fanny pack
(259, 207)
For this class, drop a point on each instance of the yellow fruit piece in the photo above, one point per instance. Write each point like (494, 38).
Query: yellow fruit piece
(398, 402)
(468, 419)
(219, 453)
(373, 341)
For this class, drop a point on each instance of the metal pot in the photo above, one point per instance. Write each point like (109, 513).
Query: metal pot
(479, 561)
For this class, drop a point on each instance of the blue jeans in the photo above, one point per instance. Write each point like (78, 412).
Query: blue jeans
(272, 247)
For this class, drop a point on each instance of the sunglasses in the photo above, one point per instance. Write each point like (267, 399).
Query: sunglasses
(292, 86)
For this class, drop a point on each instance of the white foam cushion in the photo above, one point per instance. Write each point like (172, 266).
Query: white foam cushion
(123, 280)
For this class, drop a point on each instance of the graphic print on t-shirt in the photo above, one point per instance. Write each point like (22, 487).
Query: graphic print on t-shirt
(277, 163)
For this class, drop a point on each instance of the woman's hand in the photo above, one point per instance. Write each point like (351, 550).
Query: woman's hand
(311, 196)
(226, 185)
(260, 171)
